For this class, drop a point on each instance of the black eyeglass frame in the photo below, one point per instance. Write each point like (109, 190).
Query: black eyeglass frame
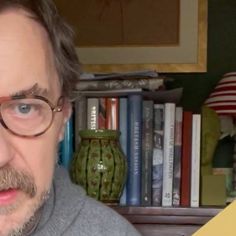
(54, 108)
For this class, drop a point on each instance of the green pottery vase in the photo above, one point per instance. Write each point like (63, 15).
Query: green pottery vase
(100, 166)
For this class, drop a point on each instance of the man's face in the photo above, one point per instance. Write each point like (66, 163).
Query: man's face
(26, 59)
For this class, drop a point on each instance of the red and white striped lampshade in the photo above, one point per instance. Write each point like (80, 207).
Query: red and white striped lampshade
(223, 97)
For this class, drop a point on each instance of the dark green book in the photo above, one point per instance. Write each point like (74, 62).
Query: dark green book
(147, 147)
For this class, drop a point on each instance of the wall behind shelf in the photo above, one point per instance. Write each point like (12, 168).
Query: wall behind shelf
(221, 55)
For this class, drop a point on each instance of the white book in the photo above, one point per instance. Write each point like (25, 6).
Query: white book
(195, 160)
(169, 132)
(92, 113)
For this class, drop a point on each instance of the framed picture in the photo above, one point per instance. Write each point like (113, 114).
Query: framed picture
(132, 35)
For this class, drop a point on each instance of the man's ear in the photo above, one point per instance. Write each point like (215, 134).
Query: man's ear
(67, 111)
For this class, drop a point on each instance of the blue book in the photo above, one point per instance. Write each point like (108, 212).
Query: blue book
(60, 153)
(134, 149)
(123, 127)
(66, 146)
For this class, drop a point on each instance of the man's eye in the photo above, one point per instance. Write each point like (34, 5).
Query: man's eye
(24, 108)
(28, 110)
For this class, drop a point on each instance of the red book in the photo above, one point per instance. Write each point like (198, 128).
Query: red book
(112, 113)
(186, 159)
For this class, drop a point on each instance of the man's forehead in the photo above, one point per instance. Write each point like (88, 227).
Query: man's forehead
(26, 56)
(21, 21)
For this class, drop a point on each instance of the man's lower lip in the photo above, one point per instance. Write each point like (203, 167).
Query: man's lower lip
(8, 196)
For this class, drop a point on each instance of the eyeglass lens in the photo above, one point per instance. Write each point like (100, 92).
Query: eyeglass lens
(28, 116)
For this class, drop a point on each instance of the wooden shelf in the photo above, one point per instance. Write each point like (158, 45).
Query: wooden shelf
(167, 221)
(154, 215)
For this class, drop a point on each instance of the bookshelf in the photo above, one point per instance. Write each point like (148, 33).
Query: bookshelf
(194, 83)
(152, 220)
(167, 221)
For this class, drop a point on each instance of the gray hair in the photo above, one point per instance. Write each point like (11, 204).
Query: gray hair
(60, 34)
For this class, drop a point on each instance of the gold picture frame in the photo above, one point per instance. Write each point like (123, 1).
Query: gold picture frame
(190, 55)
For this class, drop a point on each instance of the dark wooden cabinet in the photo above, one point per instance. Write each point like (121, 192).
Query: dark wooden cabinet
(161, 221)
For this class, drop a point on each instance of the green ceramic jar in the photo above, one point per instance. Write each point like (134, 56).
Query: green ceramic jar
(100, 166)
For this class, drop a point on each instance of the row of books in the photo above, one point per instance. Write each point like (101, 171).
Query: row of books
(161, 143)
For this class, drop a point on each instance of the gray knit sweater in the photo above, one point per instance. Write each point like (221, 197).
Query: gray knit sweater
(69, 212)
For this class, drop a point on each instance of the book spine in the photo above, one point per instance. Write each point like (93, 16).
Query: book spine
(80, 113)
(102, 113)
(186, 159)
(59, 153)
(92, 113)
(147, 148)
(135, 150)
(112, 114)
(195, 160)
(123, 127)
(177, 156)
(67, 144)
(169, 132)
(157, 156)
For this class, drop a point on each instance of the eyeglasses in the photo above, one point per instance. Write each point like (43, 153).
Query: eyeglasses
(28, 115)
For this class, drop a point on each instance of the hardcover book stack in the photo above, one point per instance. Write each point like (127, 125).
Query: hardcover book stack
(160, 140)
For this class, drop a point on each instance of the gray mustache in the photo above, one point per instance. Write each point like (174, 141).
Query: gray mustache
(13, 179)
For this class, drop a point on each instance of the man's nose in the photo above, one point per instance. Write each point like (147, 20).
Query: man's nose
(5, 147)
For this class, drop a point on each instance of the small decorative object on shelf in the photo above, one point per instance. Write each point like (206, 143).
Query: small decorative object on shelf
(99, 165)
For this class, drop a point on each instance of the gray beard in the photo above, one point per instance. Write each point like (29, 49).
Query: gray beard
(31, 223)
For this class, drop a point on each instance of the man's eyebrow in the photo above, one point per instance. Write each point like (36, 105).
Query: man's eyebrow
(34, 90)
